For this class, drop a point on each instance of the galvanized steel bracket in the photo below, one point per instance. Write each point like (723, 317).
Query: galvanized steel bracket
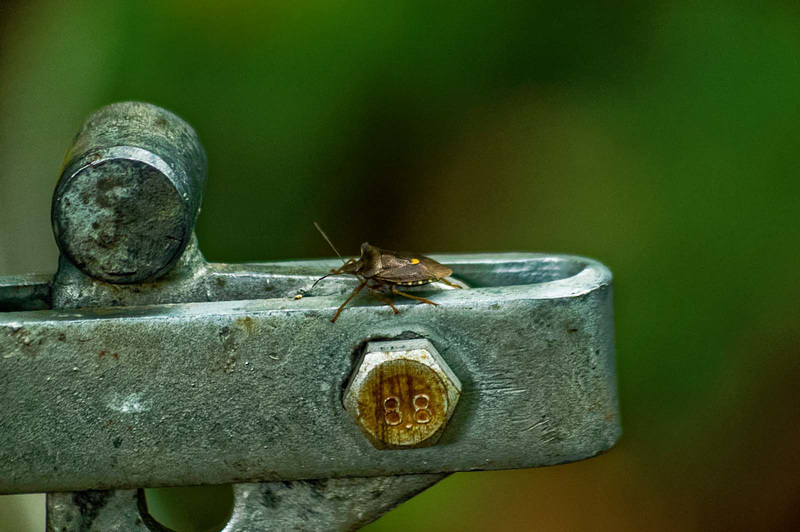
(215, 373)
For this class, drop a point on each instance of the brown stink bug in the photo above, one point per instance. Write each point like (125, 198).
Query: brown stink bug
(380, 268)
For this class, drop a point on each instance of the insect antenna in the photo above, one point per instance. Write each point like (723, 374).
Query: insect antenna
(318, 280)
(328, 240)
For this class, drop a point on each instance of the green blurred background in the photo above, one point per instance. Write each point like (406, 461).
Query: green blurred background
(659, 137)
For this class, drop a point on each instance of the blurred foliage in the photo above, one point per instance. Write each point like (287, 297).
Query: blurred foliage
(659, 137)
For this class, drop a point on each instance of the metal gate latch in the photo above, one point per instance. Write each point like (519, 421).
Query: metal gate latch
(139, 364)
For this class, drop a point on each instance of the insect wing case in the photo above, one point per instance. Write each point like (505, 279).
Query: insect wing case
(399, 267)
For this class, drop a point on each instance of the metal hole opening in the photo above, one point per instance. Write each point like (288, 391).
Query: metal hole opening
(192, 509)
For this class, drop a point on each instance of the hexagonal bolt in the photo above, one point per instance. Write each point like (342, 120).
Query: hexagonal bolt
(402, 394)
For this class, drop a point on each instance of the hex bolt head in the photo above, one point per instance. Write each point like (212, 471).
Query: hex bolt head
(402, 394)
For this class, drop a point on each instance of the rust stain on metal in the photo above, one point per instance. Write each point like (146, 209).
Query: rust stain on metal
(402, 403)
(246, 323)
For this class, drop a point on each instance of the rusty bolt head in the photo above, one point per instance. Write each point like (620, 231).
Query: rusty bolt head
(402, 394)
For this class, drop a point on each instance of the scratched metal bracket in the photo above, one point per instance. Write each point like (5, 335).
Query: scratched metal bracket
(139, 364)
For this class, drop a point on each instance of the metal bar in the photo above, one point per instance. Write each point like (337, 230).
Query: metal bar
(242, 391)
(25, 292)
(193, 280)
(329, 505)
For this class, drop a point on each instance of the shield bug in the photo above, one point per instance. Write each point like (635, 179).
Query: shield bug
(378, 268)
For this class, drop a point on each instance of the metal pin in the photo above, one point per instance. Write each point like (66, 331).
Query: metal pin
(129, 193)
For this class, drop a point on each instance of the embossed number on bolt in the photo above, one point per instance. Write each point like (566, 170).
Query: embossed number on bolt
(402, 394)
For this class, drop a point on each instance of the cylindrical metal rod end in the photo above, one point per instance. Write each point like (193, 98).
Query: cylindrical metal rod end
(128, 197)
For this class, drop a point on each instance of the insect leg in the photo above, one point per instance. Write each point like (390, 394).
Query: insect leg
(421, 299)
(339, 271)
(448, 283)
(346, 301)
(382, 297)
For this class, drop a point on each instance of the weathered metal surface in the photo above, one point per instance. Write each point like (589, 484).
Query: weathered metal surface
(333, 505)
(97, 511)
(321, 505)
(129, 194)
(241, 391)
(25, 292)
(194, 280)
(402, 394)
